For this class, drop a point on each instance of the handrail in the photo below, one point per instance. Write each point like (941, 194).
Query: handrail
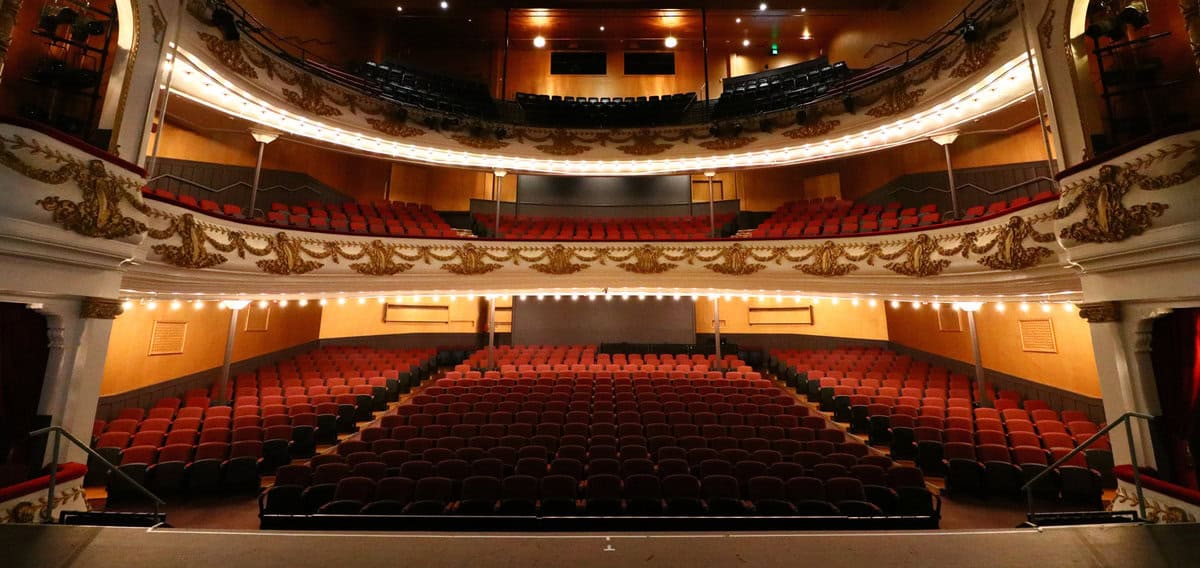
(238, 183)
(1137, 478)
(62, 433)
(978, 188)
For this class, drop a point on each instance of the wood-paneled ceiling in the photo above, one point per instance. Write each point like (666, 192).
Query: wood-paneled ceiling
(599, 24)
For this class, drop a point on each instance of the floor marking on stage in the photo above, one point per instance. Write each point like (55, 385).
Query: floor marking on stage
(608, 547)
(608, 538)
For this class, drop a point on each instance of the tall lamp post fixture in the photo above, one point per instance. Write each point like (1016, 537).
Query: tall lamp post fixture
(945, 140)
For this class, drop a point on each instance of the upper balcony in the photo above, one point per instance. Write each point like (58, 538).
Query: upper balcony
(791, 115)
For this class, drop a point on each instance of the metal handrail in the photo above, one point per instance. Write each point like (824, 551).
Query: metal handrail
(61, 433)
(1137, 478)
(235, 184)
(978, 188)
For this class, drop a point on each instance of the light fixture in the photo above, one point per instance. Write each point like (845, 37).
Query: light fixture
(262, 304)
(737, 20)
(445, 5)
(126, 305)
(746, 42)
(895, 304)
(341, 301)
(1024, 307)
(670, 42)
(538, 42)
(197, 304)
(1069, 307)
(969, 306)
(323, 302)
(399, 8)
(762, 6)
(283, 303)
(601, 28)
(235, 304)
(1046, 307)
(362, 301)
(1000, 307)
(175, 305)
(872, 302)
(151, 305)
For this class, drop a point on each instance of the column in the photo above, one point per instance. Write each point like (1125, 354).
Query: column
(1123, 390)
(78, 348)
(945, 140)
(263, 138)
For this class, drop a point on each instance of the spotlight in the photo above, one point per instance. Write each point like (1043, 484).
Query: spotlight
(970, 31)
(223, 20)
(539, 42)
(670, 42)
(762, 7)
(445, 5)
(746, 42)
(1136, 14)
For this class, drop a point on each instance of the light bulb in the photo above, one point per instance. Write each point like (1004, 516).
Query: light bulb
(539, 42)
(262, 304)
(670, 42)
(197, 304)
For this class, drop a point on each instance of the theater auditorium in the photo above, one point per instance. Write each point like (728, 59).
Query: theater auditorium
(535, 282)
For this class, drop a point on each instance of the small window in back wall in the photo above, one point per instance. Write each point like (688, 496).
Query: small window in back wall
(650, 63)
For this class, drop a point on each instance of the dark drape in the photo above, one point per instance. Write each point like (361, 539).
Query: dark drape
(1175, 342)
(24, 349)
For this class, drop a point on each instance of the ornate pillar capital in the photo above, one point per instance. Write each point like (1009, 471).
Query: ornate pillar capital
(1101, 312)
(100, 308)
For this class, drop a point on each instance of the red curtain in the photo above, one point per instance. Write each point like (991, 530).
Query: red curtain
(1175, 344)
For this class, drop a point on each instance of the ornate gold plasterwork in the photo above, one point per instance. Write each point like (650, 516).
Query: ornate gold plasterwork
(1100, 312)
(644, 260)
(1108, 219)
(897, 99)
(1191, 21)
(100, 308)
(1046, 27)
(978, 55)
(230, 54)
(380, 260)
(158, 22)
(818, 128)
(192, 251)
(472, 260)
(736, 261)
(562, 143)
(644, 143)
(728, 143)
(918, 258)
(394, 128)
(479, 142)
(825, 260)
(1009, 246)
(1156, 511)
(557, 259)
(31, 511)
(99, 213)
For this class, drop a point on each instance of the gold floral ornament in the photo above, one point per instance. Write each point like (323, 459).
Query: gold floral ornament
(288, 253)
(644, 260)
(472, 260)
(826, 261)
(562, 143)
(192, 251)
(728, 143)
(380, 260)
(978, 55)
(230, 54)
(557, 260)
(99, 213)
(1108, 219)
(644, 143)
(1009, 246)
(479, 142)
(394, 128)
(897, 99)
(735, 261)
(918, 258)
(819, 128)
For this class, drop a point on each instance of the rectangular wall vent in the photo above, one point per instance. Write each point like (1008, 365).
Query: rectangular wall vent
(949, 319)
(167, 337)
(1037, 335)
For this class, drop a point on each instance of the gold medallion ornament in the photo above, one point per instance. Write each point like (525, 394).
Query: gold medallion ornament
(99, 213)
(918, 258)
(192, 251)
(380, 260)
(1100, 312)
(472, 260)
(825, 261)
(897, 99)
(1010, 250)
(644, 260)
(819, 128)
(728, 143)
(736, 261)
(1108, 219)
(394, 128)
(557, 259)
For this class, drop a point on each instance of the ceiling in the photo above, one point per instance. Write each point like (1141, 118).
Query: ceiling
(577, 24)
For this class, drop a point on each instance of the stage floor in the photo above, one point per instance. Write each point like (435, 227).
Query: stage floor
(1125, 546)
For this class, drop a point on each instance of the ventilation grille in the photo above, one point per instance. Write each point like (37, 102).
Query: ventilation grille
(258, 319)
(168, 337)
(1037, 336)
(949, 319)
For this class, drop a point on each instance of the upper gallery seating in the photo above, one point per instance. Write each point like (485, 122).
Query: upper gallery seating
(831, 216)
(778, 89)
(924, 413)
(603, 112)
(392, 218)
(278, 412)
(599, 229)
(577, 435)
(430, 91)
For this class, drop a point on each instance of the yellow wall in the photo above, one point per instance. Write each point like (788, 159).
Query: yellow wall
(842, 320)
(357, 176)
(129, 366)
(1072, 368)
(354, 319)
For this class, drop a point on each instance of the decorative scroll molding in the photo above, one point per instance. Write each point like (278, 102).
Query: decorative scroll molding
(99, 214)
(100, 308)
(31, 511)
(1100, 312)
(1107, 218)
(1191, 20)
(186, 241)
(8, 20)
(1158, 512)
(819, 128)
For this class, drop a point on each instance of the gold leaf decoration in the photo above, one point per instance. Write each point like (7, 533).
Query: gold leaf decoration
(978, 55)
(736, 262)
(644, 143)
(645, 260)
(557, 260)
(825, 261)
(562, 143)
(918, 258)
(1108, 218)
(897, 99)
(1011, 252)
(479, 142)
(472, 260)
(192, 251)
(819, 128)
(728, 143)
(230, 54)
(99, 213)
(393, 128)
(380, 260)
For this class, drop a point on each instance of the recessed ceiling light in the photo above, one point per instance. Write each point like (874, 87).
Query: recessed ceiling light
(399, 8)
(761, 7)
(447, 4)
(737, 20)
(803, 10)
(539, 41)
(601, 28)
(670, 41)
(746, 42)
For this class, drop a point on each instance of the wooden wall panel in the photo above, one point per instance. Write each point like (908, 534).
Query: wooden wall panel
(843, 320)
(359, 320)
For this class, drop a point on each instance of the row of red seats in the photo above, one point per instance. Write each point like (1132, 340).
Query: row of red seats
(206, 205)
(567, 228)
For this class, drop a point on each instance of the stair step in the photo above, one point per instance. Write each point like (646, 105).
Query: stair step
(1061, 519)
(112, 519)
